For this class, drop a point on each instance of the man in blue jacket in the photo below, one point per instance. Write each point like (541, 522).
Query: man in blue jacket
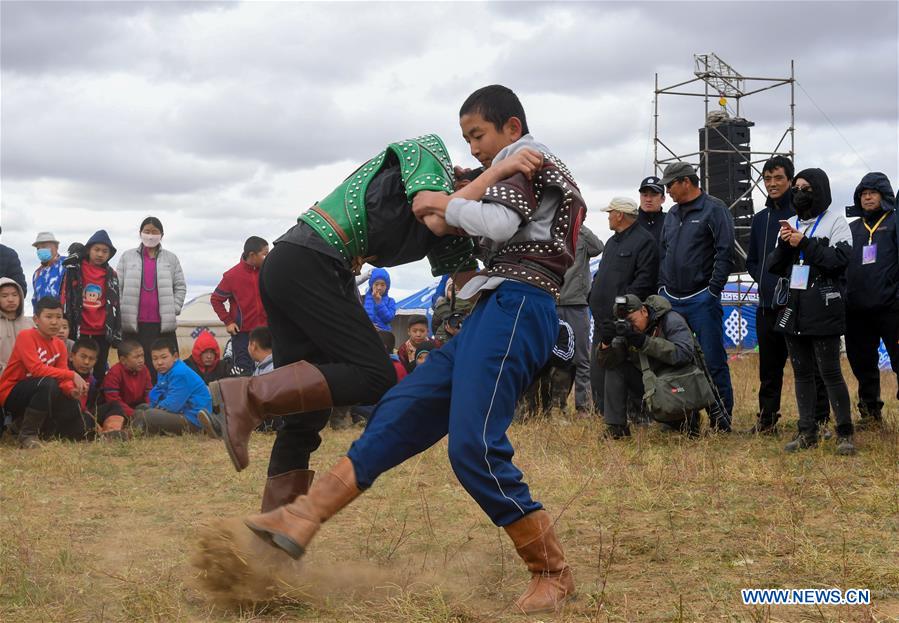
(777, 175)
(697, 250)
(378, 305)
(177, 398)
(872, 298)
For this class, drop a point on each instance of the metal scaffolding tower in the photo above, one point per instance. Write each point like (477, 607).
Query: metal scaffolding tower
(714, 77)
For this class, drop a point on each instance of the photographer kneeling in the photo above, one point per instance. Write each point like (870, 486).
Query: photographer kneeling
(653, 338)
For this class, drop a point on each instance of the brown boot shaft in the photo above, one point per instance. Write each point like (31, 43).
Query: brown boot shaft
(285, 488)
(551, 580)
(245, 402)
(294, 388)
(293, 526)
(31, 423)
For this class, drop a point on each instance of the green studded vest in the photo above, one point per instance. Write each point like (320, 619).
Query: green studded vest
(341, 219)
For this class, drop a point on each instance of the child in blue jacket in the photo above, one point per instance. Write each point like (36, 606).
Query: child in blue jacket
(177, 398)
(378, 305)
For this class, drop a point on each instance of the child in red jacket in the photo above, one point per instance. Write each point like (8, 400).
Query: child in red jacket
(37, 388)
(239, 288)
(206, 358)
(126, 386)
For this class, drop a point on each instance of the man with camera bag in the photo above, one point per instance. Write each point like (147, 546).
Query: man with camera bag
(653, 337)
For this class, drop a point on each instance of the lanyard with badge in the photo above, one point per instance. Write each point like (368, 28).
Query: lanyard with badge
(799, 275)
(869, 251)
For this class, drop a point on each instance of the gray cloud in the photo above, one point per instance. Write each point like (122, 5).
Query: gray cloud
(230, 119)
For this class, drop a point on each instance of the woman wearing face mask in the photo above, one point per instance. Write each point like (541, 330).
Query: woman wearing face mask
(812, 255)
(153, 288)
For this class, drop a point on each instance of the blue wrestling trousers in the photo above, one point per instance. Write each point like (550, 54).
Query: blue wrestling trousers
(468, 390)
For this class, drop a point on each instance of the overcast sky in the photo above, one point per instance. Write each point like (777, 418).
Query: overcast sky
(228, 120)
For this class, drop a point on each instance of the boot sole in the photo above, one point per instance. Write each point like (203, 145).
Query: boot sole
(280, 541)
(216, 394)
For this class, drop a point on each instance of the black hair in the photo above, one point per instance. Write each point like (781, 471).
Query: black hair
(694, 179)
(253, 244)
(779, 162)
(388, 339)
(262, 337)
(46, 302)
(87, 343)
(496, 104)
(417, 319)
(152, 220)
(126, 347)
(164, 343)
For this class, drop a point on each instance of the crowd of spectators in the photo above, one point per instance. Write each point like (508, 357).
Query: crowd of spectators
(655, 304)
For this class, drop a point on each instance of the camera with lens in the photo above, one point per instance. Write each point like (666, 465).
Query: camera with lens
(621, 324)
(454, 320)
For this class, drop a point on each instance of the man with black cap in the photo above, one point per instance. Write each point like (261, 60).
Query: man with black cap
(652, 196)
(697, 257)
(872, 297)
(630, 265)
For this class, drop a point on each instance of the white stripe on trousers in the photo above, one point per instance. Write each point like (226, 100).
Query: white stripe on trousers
(490, 408)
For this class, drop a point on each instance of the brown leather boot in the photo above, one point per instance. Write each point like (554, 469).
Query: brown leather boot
(551, 581)
(284, 488)
(244, 402)
(292, 527)
(30, 427)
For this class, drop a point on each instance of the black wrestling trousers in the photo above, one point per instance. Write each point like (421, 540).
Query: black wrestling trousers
(314, 315)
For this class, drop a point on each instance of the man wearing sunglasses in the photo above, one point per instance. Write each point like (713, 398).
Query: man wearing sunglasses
(697, 250)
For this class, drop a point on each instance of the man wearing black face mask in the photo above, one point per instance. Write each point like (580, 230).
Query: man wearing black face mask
(872, 299)
(777, 174)
(813, 253)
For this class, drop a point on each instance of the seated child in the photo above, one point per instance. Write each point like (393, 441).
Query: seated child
(64, 334)
(12, 317)
(260, 349)
(37, 388)
(389, 341)
(127, 386)
(418, 334)
(178, 397)
(82, 360)
(422, 351)
(206, 358)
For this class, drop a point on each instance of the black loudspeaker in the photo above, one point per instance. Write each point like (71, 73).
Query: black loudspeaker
(726, 164)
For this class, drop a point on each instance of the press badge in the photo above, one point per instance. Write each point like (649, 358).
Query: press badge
(799, 277)
(869, 254)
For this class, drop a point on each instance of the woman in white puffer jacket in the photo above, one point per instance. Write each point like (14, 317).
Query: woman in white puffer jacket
(153, 289)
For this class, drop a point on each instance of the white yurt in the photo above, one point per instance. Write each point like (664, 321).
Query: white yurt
(197, 315)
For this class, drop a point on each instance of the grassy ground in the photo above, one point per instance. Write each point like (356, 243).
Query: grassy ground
(657, 529)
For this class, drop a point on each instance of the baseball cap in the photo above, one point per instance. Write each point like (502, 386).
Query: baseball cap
(652, 183)
(633, 304)
(622, 204)
(676, 170)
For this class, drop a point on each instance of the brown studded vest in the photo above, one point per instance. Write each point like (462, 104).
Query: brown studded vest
(540, 262)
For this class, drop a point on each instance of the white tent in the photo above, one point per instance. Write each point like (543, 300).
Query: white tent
(197, 315)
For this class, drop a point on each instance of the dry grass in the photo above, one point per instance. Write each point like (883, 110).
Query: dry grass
(657, 529)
